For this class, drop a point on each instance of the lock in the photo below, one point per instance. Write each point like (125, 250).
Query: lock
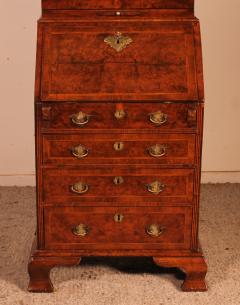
(118, 217)
(118, 180)
(118, 146)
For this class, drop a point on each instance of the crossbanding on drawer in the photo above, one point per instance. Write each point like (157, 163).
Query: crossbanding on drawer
(124, 184)
(119, 149)
(117, 228)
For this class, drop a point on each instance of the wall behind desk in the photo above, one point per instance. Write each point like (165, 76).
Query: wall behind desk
(220, 25)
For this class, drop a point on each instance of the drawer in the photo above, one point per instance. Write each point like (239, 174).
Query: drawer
(135, 185)
(110, 4)
(117, 228)
(159, 117)
(118, 149)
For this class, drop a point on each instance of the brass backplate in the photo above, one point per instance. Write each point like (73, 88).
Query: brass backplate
(118, 41)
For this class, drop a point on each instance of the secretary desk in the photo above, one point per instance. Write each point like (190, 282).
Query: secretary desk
(119, 105)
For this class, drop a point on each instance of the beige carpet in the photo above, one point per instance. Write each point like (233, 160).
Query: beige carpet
(123, 281)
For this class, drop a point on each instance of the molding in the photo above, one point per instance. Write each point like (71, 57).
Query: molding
(17, 180)
(220, 177)
(207, 177)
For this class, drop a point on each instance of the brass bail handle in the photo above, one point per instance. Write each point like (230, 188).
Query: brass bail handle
(80, 230)
(155, 187)
(79, 188)
(80, 118)
(158, 117)
(157, 150)
(154, 230)
(79, 151)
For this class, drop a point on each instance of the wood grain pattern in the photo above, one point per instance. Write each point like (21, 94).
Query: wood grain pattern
(97, 72)
(178, 185)
(195, 269)
(39, 271)
(178, 148)
(115, 4)
(104, 232)
(101, 117)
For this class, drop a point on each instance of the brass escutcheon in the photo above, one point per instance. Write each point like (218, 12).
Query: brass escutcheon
(118, 180)
(79, 151)
(158, 117)
(118, 217)
(80, 230)
(118, 146)
(80, 118)
(155, 187)
(79, 188)
(154, 230)
(120, 114)
(118, 41)
(157, 150)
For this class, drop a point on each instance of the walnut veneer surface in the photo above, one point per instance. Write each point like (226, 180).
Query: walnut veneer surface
(119, 114)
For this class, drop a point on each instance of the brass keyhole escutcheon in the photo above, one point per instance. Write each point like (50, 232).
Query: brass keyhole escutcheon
(120, 114)
(118, 146)
(118, 41)
(118, 217)
(118, 180)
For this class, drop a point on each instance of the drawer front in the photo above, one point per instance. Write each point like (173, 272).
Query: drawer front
(117, 228)
(115, 60)
(119, 149)
(116, 4)
(119, 184)
(159, 117)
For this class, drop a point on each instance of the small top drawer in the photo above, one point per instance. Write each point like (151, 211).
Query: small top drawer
(87, 116)
(115, 4)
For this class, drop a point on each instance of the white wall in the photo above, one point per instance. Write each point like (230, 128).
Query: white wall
(220, 25)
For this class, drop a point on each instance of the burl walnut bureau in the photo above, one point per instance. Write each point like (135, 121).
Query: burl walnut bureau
(119, 114)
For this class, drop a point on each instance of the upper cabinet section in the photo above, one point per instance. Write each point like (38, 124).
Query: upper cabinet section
(120, 61)
(117, 4)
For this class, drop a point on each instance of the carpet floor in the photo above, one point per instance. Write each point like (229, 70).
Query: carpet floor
(125, 281)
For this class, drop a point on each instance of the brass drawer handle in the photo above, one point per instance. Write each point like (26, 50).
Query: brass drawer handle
(118, 217)
(79, 188)
(118, 180)
(158, 150)
(154, 230)
(120, 114)
(81, 230)
(80, 118)
(158, 118)
(118, 146)
(155, 187)
(79, 151)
